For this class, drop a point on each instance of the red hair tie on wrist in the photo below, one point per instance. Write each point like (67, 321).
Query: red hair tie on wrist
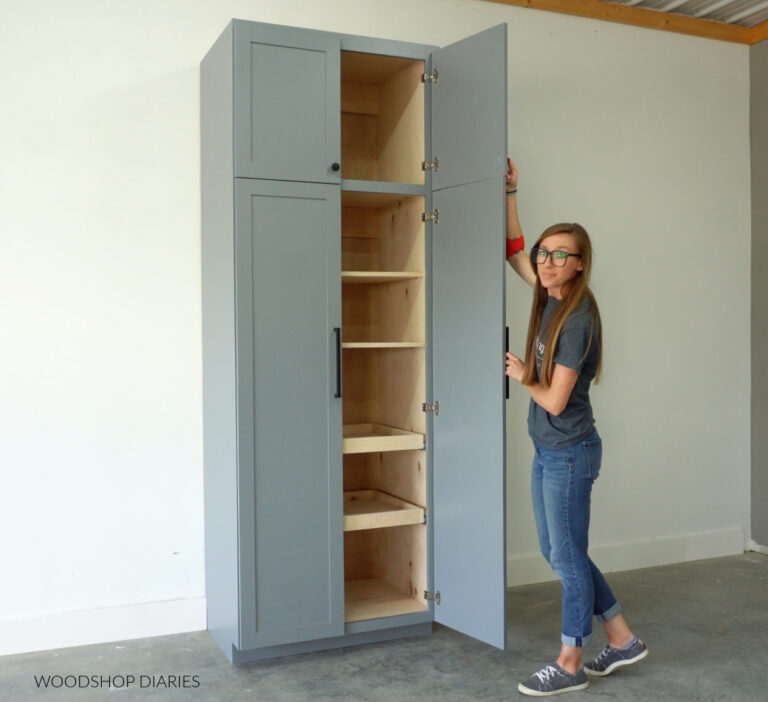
(515, 245)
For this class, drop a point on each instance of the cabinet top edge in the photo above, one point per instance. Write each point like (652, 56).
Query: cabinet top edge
(348, 42)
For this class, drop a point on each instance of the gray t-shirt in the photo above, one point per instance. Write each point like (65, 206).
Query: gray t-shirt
(575, 422)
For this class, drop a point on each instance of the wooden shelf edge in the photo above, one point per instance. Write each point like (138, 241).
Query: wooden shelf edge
(375, 277)
(383, 187)
(379, 437)
(383, 345)
(388, 511)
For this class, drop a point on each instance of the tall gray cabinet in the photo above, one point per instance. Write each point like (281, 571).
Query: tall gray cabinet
(353, 338)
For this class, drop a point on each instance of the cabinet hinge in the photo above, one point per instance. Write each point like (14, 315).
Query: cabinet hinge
(429, 77)
(431, 216)
(431, 165)
(432, 596)
(434, 407)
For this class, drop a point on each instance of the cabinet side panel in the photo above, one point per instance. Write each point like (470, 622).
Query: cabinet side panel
(401, 126)
(218, 326)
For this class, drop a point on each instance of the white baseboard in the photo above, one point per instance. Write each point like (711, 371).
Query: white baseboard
(91, 626)
(754, 546)
(532, 568)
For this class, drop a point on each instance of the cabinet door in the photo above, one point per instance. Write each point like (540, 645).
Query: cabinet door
(288, 299)
(287, 103)
(469, 108)
(468, 347)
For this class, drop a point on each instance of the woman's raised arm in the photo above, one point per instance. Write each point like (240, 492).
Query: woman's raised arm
(519, 260)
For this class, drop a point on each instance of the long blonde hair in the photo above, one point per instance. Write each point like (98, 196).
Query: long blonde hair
(573, 292)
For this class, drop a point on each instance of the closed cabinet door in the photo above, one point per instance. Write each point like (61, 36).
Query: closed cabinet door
(288, 301)
(468, 326)
(287, 104)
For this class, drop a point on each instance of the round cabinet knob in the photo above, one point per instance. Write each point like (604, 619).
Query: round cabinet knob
(335, 166)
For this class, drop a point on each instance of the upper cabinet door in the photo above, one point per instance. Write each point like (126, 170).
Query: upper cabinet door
(468, 324)
(469, 108)
(287, 104)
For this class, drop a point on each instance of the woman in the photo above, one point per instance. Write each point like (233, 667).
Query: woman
(563, 354)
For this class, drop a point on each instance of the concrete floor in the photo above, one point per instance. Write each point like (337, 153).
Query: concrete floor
(705, 623)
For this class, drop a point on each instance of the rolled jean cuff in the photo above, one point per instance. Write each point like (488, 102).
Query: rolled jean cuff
(610, 613)
(577, 641)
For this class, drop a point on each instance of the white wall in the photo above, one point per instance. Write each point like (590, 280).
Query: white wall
(641, 136)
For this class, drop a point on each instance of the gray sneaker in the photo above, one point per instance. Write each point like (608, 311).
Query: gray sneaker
(552, 680)
(612, 658)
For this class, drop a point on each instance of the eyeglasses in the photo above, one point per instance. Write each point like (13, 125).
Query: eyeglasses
(558, 258)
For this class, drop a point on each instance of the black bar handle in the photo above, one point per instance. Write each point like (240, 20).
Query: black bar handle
(506, 348)
(337, 331)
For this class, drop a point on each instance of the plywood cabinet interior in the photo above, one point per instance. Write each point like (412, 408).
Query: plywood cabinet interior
(382, 118)
(384, 331)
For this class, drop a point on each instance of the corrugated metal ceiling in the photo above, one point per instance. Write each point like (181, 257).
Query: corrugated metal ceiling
(746, 13)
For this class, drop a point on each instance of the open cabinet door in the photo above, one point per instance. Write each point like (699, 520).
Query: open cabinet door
(469, 136)
(469, 109)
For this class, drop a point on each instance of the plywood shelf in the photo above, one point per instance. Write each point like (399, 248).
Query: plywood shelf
(377, 194)
(379, 276)
(366, 438)
(374, 598)
(383, 345)
(373, 509)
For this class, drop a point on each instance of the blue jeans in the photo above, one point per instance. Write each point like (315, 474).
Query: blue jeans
(561, 484)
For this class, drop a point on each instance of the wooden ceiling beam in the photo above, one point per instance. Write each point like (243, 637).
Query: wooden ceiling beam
(759, 33)
(651, 19)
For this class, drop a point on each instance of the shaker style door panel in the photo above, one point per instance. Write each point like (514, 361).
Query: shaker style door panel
(288, 299)
(469, 109)
(287, 96)
(468, 433)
